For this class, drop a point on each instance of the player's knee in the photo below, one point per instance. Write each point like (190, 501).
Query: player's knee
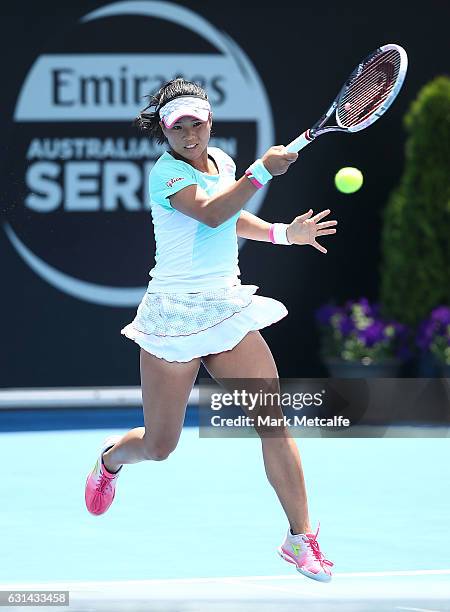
(159, 451)
(160, 455)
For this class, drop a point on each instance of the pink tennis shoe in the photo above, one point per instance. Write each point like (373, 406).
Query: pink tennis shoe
(101, 484)
(303, 551)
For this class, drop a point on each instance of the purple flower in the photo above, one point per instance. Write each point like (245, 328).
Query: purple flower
(348, 306)
(401, 331)
(441, 314)
(372, 334)
(363, 303)
(324, 313)
(435, 325)
(434, 333)
(380, 338)
(401, 340)
(346, 325)
(365, 306)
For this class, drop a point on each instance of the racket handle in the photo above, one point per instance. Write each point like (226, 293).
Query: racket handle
(300, 142)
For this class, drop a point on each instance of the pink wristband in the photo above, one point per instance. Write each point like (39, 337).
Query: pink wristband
(271, 235)
(278, 234)
(252, 179)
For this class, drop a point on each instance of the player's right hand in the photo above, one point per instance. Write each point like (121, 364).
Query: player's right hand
(277, 159)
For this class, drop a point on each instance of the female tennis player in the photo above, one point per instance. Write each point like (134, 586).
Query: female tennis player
(196, 310)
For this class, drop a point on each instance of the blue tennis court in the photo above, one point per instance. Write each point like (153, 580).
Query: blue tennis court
(200, 530)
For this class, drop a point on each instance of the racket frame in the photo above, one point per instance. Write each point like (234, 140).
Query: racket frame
(317, 130)
(389, 100)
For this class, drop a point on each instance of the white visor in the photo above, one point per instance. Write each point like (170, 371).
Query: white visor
(185, 106)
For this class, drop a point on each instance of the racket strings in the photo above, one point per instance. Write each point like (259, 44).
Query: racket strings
(371, 95)
(369, 91)
(369, 88)
(371, 75)
(370, 70)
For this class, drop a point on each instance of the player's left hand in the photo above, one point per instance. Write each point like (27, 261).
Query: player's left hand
(305, 229)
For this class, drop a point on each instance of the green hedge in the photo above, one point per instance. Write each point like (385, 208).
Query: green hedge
(415, 262)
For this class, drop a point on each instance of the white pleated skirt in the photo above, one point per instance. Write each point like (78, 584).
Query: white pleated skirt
(182, 326)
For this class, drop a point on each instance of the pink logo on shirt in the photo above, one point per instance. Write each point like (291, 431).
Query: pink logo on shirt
(174, 180)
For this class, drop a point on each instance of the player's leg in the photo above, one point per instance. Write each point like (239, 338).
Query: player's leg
(252, 358)
(165, 393)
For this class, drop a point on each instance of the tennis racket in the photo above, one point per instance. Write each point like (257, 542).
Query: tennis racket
(367, 94)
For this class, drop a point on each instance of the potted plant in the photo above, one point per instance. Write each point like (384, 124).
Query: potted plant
(434, 335)
(358, 343)
(415, 270)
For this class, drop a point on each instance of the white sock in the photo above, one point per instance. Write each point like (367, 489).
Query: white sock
(298, 537)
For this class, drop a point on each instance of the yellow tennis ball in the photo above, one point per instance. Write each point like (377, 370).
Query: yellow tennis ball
(348, 180)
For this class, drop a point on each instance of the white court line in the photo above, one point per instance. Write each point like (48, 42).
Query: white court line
(415, 609)
(440, 572)
(266, 587)
(234, 579)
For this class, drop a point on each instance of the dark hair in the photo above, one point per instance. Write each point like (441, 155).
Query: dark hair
(148, 120)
